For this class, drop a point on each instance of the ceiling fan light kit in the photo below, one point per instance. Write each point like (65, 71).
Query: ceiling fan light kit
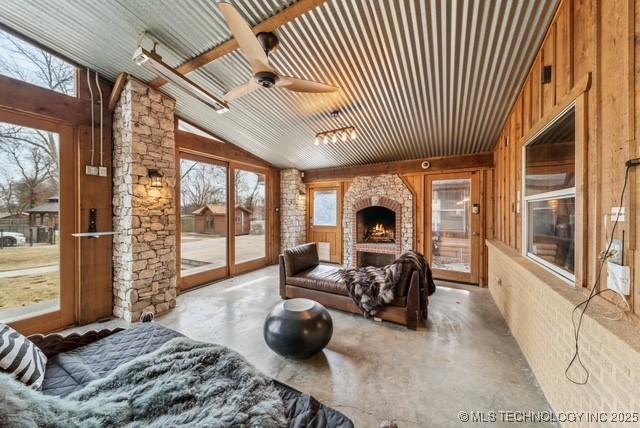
(152, 61)
(342, 134)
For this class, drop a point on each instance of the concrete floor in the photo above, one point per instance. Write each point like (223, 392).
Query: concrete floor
(464, 360)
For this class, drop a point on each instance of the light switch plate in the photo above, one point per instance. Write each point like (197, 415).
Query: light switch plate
(91, 170)
(102, 171)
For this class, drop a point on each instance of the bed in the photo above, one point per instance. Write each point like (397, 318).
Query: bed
(77, 359)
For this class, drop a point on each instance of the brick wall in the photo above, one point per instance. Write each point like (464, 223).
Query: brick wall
(293, 209)
(144, 217)
(537, 307)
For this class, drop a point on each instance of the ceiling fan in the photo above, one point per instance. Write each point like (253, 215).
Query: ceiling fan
(256, 48)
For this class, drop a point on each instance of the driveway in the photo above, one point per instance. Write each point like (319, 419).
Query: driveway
(203, 252)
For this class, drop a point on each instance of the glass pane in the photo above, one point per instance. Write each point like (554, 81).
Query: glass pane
(550, 158)
(325, 208)
(551, 225)
(187, 127)
(29, 222)
(203, 216)
(451, 225)
(250, 216)
(23, 61)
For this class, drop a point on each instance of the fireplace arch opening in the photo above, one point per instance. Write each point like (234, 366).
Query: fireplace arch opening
(375, 225)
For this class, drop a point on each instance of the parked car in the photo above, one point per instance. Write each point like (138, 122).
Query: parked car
(11, 239)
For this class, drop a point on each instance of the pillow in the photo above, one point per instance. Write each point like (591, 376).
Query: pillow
(20, 357)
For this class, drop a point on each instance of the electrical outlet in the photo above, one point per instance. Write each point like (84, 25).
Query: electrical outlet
(102, 171)
(618, 278)
(91, 170)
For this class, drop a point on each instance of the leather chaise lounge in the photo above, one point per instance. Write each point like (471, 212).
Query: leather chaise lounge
(302, 275)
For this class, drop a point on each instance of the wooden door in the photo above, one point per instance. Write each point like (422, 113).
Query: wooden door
(454, 226)
(325, 220)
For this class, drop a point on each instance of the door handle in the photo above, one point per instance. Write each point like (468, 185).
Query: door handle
(476, 233)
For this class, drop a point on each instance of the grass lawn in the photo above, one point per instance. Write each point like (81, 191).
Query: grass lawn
(26, 290)
(29, 289)
(24, 257)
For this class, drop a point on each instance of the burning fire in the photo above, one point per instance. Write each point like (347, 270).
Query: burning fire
(378, 233)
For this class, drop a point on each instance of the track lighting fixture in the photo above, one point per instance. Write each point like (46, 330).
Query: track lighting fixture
(335, 135)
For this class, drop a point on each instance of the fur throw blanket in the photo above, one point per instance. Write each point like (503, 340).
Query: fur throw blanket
(184, 383)
(371, 288)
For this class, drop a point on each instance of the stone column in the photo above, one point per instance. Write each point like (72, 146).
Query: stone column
(293, 209)
(144, 217)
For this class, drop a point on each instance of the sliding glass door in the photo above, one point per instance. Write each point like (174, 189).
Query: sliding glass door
(223, 218)
(203, 220)
(249, 216)
(36, 219)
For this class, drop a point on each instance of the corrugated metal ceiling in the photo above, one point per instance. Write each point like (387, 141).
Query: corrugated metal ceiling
(419, 79)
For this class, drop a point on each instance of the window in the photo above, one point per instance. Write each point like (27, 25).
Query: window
(187, 127)
(29, 222)
(450, 224)
(550, 197)
(252, 213)
(203, 216)
(325, 208)
(23, 61)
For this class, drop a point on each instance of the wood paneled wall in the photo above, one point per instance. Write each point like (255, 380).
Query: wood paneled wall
(601, 40)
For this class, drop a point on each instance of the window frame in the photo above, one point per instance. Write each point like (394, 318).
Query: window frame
(572, 279)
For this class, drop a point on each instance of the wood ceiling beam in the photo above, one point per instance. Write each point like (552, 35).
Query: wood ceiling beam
(271, 24)
(117, 90)
(440, 164)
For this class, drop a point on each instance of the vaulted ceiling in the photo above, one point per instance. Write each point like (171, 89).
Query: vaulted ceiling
(418, 78)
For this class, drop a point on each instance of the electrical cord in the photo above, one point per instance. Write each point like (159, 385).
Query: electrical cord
(594, 291)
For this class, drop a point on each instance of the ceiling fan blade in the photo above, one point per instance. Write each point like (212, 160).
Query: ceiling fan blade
(241, 91)
(301, 85)
(247, 41)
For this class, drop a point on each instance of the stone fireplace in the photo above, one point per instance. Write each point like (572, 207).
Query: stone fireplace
(377, 220)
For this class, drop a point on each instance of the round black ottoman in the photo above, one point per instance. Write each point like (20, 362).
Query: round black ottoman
(298, 328)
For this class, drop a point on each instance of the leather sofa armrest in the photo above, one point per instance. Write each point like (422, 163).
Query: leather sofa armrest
(283, 278)
(413, 302)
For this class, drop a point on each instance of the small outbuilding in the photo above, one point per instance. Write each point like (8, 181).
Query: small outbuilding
(211, 220)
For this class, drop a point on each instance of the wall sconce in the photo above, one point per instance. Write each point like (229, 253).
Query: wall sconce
(155, 178)
(335, 135)
(302, 193)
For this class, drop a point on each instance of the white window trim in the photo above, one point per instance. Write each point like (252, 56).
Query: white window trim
(564, 275)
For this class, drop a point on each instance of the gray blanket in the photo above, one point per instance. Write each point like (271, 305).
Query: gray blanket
(184, 383)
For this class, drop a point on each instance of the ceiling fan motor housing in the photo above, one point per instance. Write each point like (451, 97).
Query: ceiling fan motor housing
(268, 41)
(266, 79)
